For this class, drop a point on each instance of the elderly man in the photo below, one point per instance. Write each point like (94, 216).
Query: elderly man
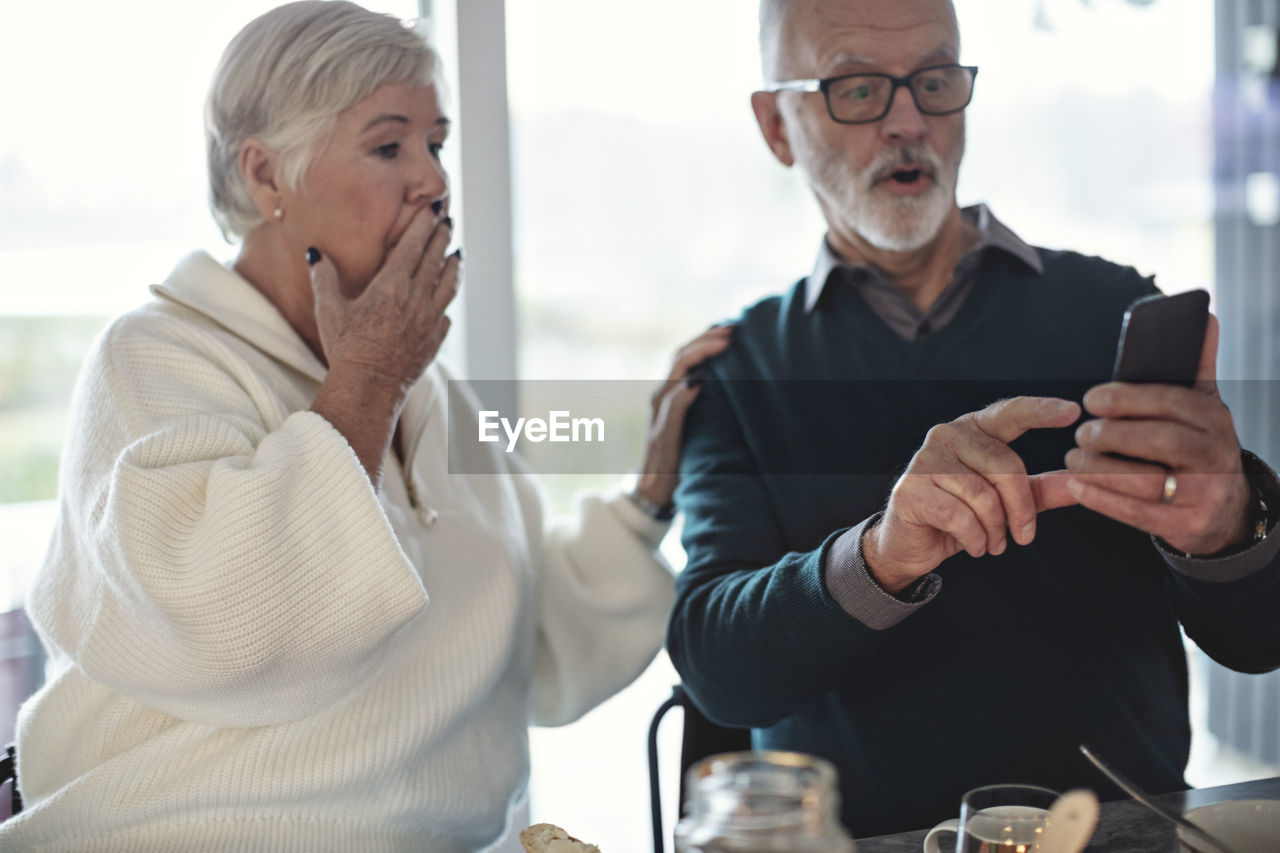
(901, 555)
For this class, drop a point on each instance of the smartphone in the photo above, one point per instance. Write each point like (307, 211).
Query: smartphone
(1161, 339)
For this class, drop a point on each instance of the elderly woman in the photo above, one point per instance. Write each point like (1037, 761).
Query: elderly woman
(276, 619)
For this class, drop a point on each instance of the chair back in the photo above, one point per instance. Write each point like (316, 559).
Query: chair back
(699, 738)
(21, 674)
(9, 773)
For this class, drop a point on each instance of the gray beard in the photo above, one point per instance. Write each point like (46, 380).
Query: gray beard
(888, 222)
(899, 224)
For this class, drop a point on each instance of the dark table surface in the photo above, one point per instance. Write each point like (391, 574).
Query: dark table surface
(1123, 827)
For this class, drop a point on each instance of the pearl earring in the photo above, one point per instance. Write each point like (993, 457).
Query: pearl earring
(278, 214)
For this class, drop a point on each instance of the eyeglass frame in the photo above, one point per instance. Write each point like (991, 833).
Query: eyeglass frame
(824, 84)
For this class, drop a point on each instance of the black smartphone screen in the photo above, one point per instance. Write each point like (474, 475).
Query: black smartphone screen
(1161, 339)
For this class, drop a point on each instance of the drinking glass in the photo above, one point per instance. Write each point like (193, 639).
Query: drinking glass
(997, 819)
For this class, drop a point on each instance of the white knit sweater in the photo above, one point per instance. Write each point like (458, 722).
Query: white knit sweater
(251, 649)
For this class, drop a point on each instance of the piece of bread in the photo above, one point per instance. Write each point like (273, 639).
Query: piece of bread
(549, 838)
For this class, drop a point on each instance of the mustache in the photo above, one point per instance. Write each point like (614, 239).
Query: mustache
(893, 159)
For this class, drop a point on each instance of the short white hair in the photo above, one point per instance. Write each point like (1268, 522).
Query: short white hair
(771, 15)
(285, 77)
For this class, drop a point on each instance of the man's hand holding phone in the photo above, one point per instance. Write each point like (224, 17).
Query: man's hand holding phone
(1165, 459)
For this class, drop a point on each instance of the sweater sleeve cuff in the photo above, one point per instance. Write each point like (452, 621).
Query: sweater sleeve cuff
(1238, 564)
(849, 582)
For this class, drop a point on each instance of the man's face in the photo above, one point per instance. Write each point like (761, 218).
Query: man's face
(892, 182)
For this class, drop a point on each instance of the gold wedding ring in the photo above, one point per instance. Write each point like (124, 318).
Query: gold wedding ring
(1170, 489)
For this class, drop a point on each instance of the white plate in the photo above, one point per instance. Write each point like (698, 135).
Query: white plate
(1249, 826)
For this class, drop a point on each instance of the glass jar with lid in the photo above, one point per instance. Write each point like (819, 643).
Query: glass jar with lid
(761, 802)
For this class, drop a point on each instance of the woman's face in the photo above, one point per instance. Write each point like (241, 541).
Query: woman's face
(380, 166)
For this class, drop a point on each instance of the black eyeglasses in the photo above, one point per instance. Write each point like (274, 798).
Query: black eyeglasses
(863, 98)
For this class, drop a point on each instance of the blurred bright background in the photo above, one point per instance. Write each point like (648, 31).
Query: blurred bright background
(644, 208)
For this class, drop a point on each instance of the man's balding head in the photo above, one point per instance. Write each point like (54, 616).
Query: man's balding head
(776, 14)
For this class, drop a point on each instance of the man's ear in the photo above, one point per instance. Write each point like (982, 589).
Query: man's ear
(258, 164)
(772, 126)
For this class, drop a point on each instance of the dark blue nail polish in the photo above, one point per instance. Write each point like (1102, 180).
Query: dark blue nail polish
(458, 252)
(448, 220)
(313, 256)
(437, 206)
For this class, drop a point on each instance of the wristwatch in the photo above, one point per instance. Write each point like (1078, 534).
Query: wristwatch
(665, 512)
(1259, 516)
(1262, 494)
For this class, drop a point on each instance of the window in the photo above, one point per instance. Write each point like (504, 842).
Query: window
(645, 207)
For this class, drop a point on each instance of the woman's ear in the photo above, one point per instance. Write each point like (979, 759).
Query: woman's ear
(258, 164)
(772, 126)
